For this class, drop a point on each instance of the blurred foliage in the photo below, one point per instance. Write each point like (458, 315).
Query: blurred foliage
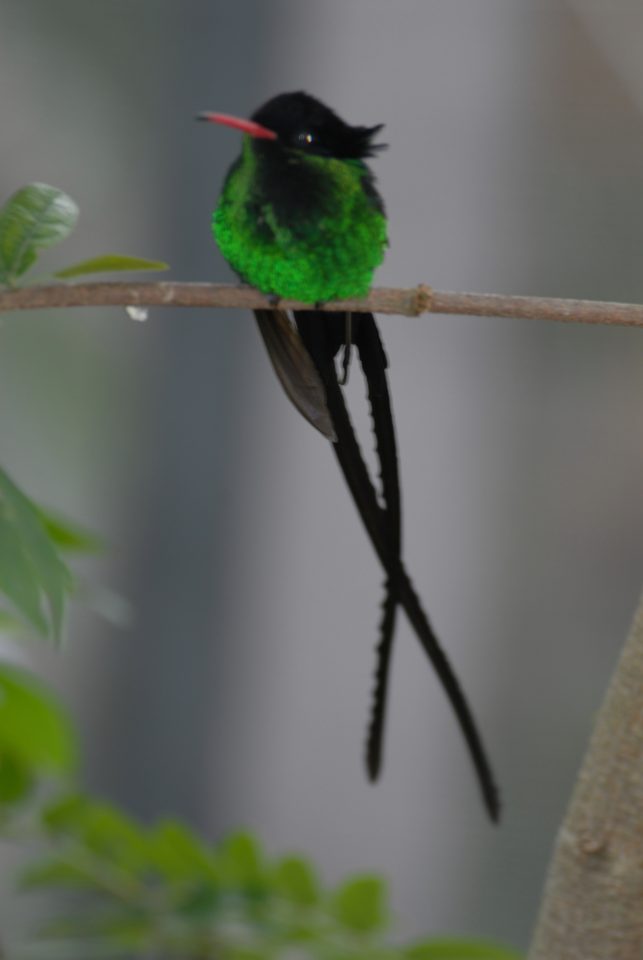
(38, 216)
(32, 576)
(120, 889)
(34, 581)
(133, 891)
(36, 738)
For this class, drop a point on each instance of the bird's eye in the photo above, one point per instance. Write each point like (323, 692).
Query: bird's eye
(305, 139)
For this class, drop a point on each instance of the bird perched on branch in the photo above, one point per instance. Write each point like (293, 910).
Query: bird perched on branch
(300, 218)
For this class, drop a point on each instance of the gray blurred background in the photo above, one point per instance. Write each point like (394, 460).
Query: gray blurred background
(239, 694)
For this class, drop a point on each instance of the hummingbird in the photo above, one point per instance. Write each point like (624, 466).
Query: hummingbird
(300, 218)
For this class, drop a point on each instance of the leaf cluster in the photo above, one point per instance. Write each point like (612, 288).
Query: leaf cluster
(35, 583)
(38, 216)
(163, 891)
(123, 889)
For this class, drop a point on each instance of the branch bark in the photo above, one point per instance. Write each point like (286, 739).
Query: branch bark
(592, 904)
(409, 302)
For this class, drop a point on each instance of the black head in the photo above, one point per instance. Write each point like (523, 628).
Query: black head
(303, 123)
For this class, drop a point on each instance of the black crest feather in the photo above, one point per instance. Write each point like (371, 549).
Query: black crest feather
(303, 122)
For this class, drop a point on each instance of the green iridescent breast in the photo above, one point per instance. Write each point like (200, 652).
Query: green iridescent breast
(322, 245)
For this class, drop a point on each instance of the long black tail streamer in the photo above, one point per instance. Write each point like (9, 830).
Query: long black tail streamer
(322, 340)
(374, 364)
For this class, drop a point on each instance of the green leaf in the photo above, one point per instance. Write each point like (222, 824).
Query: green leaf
(121, 923)
(112, 836)
(16, 779)
(448, 949)
(239, 860)
(32, 575)
(65, 814)
(110, 263)
(35, 217)
(34, 730)
(198, 902)
(112, 841)
(55, 871)
(67, 535)
(177, 854)
(360, 904)
(294, 878)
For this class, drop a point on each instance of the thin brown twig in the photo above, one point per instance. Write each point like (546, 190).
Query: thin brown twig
(409, 302)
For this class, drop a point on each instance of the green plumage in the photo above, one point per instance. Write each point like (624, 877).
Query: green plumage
(327, 250)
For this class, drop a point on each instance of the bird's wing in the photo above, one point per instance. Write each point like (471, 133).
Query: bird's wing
(295, 369)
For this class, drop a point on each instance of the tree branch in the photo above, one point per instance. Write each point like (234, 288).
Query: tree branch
(591, 909)
(410, 302)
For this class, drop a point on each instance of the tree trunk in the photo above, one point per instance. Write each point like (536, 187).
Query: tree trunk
(592, 906)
